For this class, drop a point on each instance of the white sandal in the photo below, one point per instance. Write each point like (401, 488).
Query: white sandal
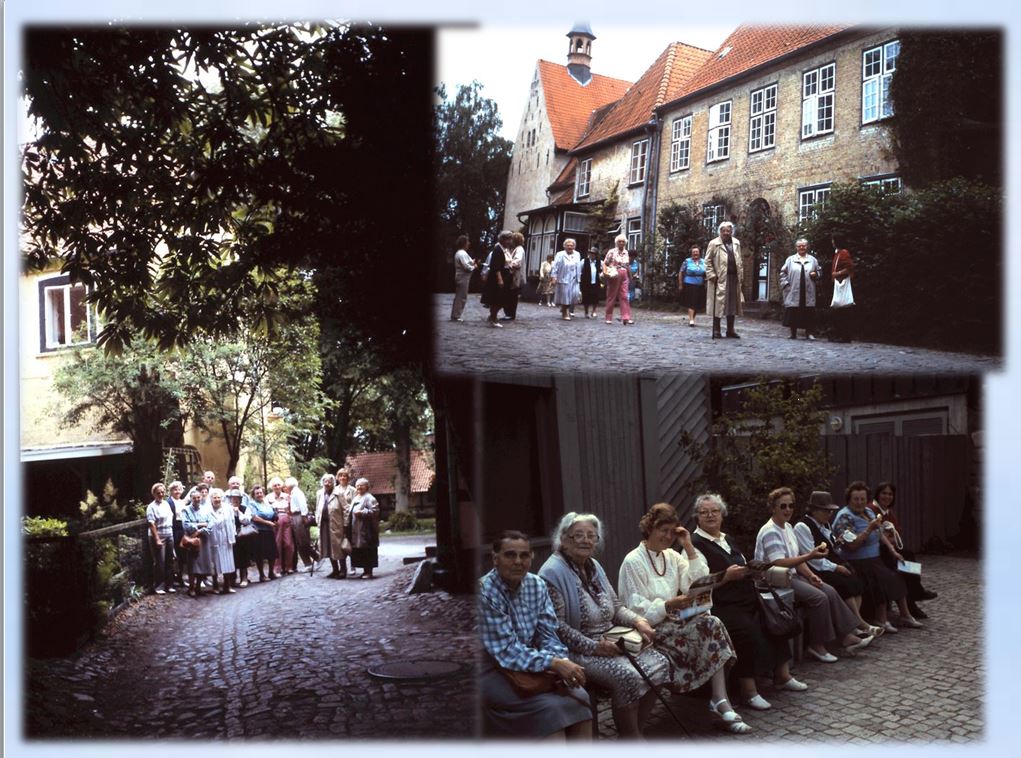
(729, 718)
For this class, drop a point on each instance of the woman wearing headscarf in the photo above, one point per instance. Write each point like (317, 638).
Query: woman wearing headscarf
(586, 608)
(798, 276)
(615, 274)
(655, 582)
(364, 530)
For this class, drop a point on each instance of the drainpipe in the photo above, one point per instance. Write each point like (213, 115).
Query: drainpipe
(652, 176)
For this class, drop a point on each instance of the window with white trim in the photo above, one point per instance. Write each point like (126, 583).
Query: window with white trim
(639, 156)
(65, 317)
(817, 88)
(811, 200)
(713, 214)
(577, 222)
(877, 67)
(762, 120)
(634, 233)
(888, 185)
(680, 144)
(583, 186)
(719, 132)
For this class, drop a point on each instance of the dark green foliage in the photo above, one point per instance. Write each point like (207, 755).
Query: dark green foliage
(928, 264)
(402, 522)
(948, 102)
(771, 441)
(43, 526)
(180, 171)
(472, 166)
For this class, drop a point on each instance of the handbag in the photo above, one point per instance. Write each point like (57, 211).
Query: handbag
(530, 683)
(610, 272)
(190, 543)
(247, 530)
(345, 546)
(779, 620)
(632, 640)
(842, 295)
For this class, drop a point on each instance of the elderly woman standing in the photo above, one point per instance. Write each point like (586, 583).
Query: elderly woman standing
(654, 582)
(160, 516)
(516, 276)
(545, 282)
(828, 618)
(221, 541)
(195, 519)
(243, 545)
(330, 518)
(564, 276)
(586, 607)
(724, 274)
(263, 518)
(615, 274)
(282, 534)
(364, 530)
(736, 604)
(691, 283)
(517, 626)
(798, 276)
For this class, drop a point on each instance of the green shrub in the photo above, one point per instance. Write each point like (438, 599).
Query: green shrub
(402, 522)
(42, 526)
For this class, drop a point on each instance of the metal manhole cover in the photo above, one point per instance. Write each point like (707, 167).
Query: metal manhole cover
(416, 671)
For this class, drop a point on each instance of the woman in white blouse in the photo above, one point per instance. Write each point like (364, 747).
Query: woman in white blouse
(654, 582)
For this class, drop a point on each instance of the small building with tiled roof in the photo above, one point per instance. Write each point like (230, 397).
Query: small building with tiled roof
(561, 103)
(754, 132)
(381, 471)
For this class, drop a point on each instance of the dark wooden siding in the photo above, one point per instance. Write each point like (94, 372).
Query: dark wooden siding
(682, 404)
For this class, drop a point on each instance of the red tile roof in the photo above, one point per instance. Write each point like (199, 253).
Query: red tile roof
(569, 105)
(380, 469)
(662, 81)
(751, 46)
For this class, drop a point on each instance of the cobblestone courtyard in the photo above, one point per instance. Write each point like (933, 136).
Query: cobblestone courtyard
(925, 685)
(283, 659)
(539, 341)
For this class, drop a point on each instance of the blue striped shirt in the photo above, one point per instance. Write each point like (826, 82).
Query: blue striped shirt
(518, 627)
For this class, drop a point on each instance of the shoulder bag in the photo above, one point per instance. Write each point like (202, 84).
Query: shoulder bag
(842, 295)
(630, 637)
(779, 620)
(190, 543)
(530, 683)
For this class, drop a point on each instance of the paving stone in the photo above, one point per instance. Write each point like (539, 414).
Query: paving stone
(540, 341)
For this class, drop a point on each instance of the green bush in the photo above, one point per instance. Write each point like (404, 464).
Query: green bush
(402, 522)
(41, 526)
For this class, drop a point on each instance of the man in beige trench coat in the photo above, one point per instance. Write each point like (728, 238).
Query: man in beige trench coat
(724, 275)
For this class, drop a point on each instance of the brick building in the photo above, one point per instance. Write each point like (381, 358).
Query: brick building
(762, 126)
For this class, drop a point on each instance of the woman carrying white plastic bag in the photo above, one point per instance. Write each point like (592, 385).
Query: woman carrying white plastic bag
(841, 306)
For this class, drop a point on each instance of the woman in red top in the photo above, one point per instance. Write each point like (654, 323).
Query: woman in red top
(843, 268)
(883, 503)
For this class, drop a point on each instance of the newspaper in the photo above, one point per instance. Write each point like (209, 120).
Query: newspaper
(701, 592)
(910, 567)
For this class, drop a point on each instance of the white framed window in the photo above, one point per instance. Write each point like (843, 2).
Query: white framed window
(888, 185)
(584, 184)
(577, 222)
(634, 233)
(877, 67)
(65, 317)
(639, 156)
(680, 143)
(817, 90)
(811, 200)
(719, 132)
(762, 120)
(713, 214)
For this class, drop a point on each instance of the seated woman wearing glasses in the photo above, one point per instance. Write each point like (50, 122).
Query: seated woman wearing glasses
(518, 631)
(736, 605)
(654, 581)
(828, 618)
(586, 608)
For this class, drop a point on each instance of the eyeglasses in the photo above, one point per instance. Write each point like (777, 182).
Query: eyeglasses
(583, 537)
(714, 512)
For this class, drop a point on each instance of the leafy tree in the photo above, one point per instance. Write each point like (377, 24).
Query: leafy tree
(472, 165)
(136, 394)
(178, 171)
(771, 440)
(948, 99)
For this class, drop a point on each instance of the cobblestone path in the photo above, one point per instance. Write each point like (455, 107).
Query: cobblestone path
(539, 341)
(925, 685)
(283, 659)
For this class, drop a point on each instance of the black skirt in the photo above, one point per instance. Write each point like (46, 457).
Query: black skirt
(693, 296)
(880, 584)
(846, 586)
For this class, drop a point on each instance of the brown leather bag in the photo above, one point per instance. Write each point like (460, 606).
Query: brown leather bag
(530, 683)
(190, 543)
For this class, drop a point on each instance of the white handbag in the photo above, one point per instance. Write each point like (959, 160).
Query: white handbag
(633, 641)
(610, 272)
(842, 295)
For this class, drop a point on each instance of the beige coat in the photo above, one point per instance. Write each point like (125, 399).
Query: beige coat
(338, 505)
(716, 277)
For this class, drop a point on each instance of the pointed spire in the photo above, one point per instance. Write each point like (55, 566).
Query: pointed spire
(579, 52)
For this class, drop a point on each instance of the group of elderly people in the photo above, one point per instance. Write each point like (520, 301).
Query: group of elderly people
(547, 635)
(212, 534)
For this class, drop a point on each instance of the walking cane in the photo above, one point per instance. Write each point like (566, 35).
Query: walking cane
(634, 662)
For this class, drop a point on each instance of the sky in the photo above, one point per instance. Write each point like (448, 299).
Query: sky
(623, 52)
